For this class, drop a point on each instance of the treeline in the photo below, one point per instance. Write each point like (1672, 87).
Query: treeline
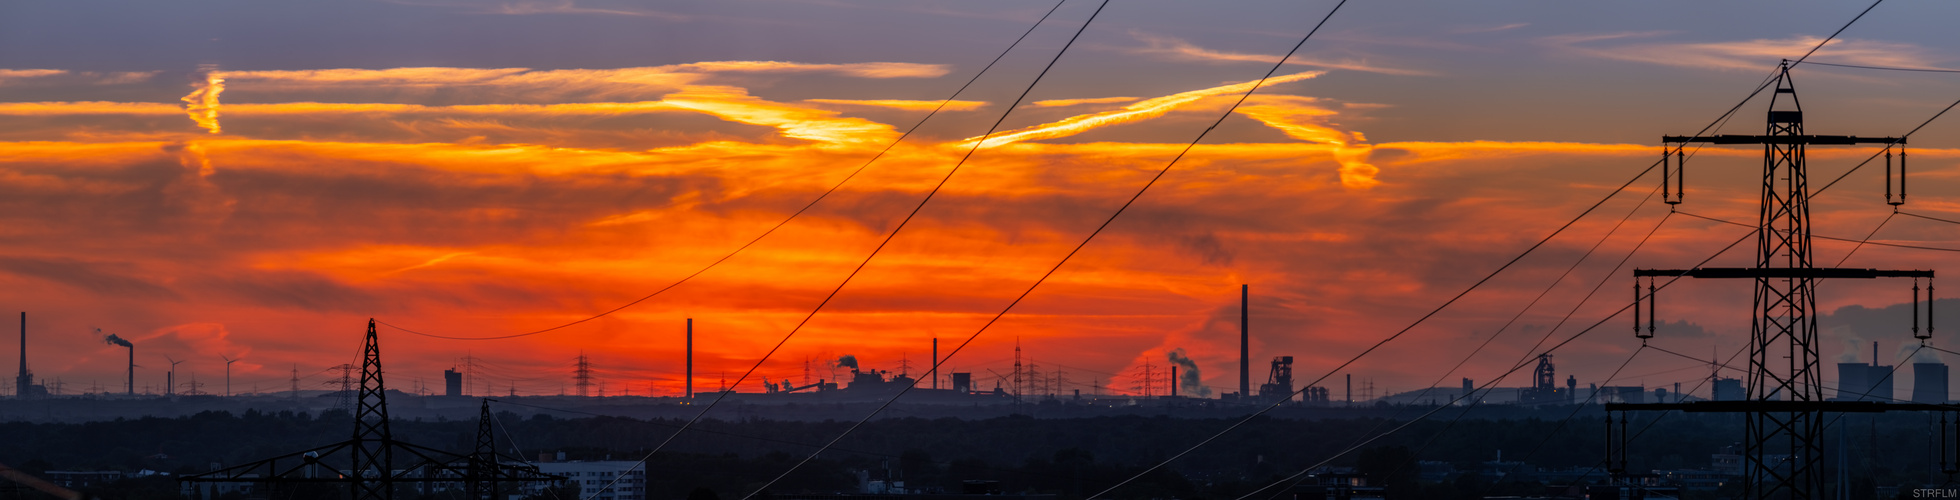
(1070, 457)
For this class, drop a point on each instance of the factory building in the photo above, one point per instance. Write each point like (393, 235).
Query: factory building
(1865, 382)
(1929, 383)
(1728, 389)
(593, 478)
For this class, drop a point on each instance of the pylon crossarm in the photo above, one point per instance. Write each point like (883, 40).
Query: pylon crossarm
(1781, 407)
(1784, 272)
(1833, 140)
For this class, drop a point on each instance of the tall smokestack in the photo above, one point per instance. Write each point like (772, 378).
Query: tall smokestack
(112, 339)
(1173, 380)
(1245, 339)
(26, 379)
(934, 372)
(690, 358)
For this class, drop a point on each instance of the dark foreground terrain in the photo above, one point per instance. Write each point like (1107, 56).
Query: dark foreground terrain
(1068, 457)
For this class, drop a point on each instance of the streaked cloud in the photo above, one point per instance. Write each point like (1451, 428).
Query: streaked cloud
(1181, 50)
(1055, 103)
(1142, 110)
(904, 104)
(202, 104)
(564, 82)
(65, 77)
(1753, 55)
(1301, 118)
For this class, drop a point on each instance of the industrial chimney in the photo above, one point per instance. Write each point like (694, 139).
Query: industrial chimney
(1245, 338)
(24, 384)
(112, 339)
(690, 358)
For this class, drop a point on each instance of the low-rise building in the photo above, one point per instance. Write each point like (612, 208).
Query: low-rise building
(599, 480)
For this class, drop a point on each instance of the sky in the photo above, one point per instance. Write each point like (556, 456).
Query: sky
(252, 180)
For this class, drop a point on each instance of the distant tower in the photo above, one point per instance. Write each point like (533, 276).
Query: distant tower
(690, 360)
(1017, 368)
(24, 385)
(1929, 383)
(1245, 339)
(582, 376)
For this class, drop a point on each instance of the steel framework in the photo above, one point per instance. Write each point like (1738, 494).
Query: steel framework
(1785, 399)
(372, 463)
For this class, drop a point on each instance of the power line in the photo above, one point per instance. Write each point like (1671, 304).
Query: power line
(1086, 240)
(1834, 34)
(1452, 300)
(1833, 238)
(1888, 146)
(889, 236)
(786, 220)
(1492, 383)
(1568, 316)
(1548, 290)
(1889, 68)
(1723, 119)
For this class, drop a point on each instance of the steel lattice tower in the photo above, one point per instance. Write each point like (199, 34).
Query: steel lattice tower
(483, 460)
(373, 457)
(1785, 404)
(1783, 360)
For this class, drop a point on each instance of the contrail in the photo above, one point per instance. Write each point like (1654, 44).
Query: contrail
(202, 104)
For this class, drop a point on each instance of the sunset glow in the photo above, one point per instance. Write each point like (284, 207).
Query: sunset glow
(490, 189)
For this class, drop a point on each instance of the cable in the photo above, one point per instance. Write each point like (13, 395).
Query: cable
(1834, 238)
(1719, 120)
(1838, 389)
(1514, 369)
(889, 236)
(1548, 290)
(1549, 332)
(1575, 309)
(1874, 156)
(1092, 235)
(1834, 34)
(1910, 214)
(1712, 124)
(792, 216)
(1473, 404)
(1887, 68)
(1868, 237)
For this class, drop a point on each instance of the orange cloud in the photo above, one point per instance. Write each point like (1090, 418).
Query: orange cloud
(1179, 49)
(1300, 119)
(526, 82)
(734, 104)
(904, 104)
(1744, 54)
(202, 104)
(1144, 110)
(1052, 103)
(87, 108)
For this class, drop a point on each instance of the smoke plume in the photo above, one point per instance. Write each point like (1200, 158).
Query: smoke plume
(847, 361)
(113, 339)
(202, 104)
(1189, 381)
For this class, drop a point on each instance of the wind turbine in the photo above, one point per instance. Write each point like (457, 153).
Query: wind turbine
(228, 362)
(170, 380)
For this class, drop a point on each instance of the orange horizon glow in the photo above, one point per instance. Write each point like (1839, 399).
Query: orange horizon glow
(271, 228)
